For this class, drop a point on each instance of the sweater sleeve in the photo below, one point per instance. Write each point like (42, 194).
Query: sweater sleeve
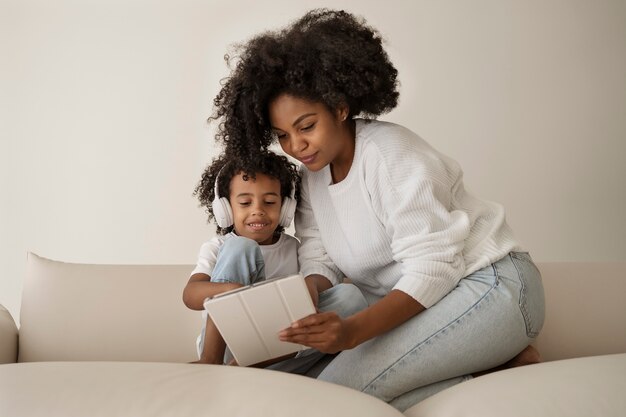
(412, 189)
(312, 255)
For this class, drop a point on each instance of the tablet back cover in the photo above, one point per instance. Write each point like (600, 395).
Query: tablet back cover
(249, 319)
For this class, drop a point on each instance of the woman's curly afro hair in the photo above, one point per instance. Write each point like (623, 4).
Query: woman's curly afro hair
(226, 166)
(326, 56)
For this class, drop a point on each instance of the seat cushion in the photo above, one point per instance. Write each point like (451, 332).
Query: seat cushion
(129, 389)
(582, 387)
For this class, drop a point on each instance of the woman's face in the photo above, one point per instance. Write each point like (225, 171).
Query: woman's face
(311, 133)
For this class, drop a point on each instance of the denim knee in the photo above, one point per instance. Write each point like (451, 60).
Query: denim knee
(239, 260)
(344, 299)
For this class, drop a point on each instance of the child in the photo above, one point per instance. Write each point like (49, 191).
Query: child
(252, 202)
(251, 209)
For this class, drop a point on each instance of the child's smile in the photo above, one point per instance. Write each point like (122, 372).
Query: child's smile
(256, 207)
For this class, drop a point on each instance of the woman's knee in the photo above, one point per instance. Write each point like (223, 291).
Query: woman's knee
(344, 299)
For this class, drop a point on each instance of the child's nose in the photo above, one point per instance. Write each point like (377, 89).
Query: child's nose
(258, 210)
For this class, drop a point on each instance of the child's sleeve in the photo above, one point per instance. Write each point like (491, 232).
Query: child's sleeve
(207, 257)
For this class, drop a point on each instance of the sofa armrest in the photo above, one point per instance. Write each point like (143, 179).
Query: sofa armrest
(580, 387)
(8, 337)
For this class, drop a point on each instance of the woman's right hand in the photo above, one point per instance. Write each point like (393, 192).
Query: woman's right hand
(326, 332)
(329, 333)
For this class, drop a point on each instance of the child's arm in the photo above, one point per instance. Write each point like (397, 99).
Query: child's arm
(316, 284)
(199, 288)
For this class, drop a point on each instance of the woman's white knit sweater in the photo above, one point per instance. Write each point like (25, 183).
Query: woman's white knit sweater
(401, 219)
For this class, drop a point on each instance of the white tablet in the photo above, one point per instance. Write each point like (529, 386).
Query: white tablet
(249, 318)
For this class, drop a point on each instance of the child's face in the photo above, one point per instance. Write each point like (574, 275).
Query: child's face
(256, 207)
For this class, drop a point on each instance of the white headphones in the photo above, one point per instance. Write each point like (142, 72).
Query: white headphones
(223, 212)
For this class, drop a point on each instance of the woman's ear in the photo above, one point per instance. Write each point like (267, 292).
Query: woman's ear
(342, 112)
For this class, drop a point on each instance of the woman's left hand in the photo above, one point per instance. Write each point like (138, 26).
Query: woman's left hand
(326, 332)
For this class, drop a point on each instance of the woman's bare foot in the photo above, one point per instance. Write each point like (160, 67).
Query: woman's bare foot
(527, 356)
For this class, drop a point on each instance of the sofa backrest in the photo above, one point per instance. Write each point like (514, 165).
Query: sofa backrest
(135, 312)
(79, 312)
(585, 309)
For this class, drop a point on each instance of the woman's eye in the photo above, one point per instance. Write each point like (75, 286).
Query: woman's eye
(280, 136)
(308, 127)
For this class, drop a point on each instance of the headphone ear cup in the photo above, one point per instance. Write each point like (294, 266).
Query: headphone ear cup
(223, 212)
(287, 211)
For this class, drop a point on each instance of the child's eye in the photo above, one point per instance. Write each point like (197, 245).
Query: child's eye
(244, 203)
(270, 202)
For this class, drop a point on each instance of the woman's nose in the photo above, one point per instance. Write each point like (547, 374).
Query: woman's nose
(295, 145)
(300, 143)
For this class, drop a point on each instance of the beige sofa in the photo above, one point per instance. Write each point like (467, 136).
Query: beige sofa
(113, 340)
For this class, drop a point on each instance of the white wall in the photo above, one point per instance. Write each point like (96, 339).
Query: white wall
(103, 133)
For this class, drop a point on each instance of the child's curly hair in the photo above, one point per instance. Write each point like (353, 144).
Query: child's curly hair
(227, 165)
(327, 56)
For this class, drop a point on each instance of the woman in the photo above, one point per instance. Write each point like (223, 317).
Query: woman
(451, 292)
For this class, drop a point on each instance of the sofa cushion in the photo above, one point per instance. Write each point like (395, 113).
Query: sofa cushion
(79, 312)
(103, 389)
(582, 387)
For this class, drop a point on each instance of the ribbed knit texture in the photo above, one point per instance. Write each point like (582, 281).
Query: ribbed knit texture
(401, 219)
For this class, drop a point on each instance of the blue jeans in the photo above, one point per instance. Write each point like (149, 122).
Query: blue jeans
(491, 316)
(240, 261)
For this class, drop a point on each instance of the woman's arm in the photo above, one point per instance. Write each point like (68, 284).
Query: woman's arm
(312, 256)
(200, 287)
(328, 333)
(389, 312)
